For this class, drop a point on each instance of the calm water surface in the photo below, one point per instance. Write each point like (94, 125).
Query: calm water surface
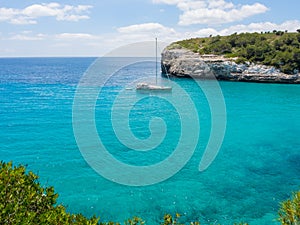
(257, 167)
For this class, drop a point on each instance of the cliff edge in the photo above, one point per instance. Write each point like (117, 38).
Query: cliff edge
(181, 62)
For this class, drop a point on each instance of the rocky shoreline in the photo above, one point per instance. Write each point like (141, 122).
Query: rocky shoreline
(181, 62)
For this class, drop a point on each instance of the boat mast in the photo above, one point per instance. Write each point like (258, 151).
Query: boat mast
(155, 60)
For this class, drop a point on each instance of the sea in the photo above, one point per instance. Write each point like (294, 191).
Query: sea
(146, 147)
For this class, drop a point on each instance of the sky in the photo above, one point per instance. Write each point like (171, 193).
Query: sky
(35, 28)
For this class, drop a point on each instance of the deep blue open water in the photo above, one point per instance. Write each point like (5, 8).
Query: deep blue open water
(257, 167)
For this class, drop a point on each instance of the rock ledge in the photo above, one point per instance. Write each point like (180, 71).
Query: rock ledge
(185, 63)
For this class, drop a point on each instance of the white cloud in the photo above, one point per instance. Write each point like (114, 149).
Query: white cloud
(30, 14)
(205, 32)
(291, 25)
(36, 10)
(23, 37)
(191, 5)
(21, 20)
(7, 13)
(144, 32)
(220, 16)
(169, 2)
(82, 36)
(153, 28)
(28, 35)
(220, 4)
(213, 11)
(73, 13)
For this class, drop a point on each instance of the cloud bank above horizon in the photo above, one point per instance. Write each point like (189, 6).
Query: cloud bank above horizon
(212, 11)
(30, 14)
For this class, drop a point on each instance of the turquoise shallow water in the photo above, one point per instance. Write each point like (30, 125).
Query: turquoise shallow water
(257, 167)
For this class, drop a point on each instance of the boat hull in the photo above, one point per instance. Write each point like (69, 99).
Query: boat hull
(150, 87)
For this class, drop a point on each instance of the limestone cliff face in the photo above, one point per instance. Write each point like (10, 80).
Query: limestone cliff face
(184, 63)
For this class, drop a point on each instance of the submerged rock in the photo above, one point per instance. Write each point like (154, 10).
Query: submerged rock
(181, 62)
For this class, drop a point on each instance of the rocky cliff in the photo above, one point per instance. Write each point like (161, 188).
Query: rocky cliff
(181, 62)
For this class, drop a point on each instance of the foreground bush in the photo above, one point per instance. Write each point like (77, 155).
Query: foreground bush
(289, 213)
(24, 201)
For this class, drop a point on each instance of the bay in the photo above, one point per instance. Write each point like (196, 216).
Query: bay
(257, 167)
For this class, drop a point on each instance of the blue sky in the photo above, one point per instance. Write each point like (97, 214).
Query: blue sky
(92, 28)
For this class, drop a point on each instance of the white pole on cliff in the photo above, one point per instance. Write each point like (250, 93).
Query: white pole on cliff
(156, 60)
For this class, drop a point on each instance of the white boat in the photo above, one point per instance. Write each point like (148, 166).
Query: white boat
(153, 87)
(146, 86)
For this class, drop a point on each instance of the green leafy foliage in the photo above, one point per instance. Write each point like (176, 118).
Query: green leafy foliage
(24, 201)
(279, 49)
(289, 213)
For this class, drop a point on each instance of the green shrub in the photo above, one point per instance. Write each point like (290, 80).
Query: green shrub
(289, 212)
(24, 201)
